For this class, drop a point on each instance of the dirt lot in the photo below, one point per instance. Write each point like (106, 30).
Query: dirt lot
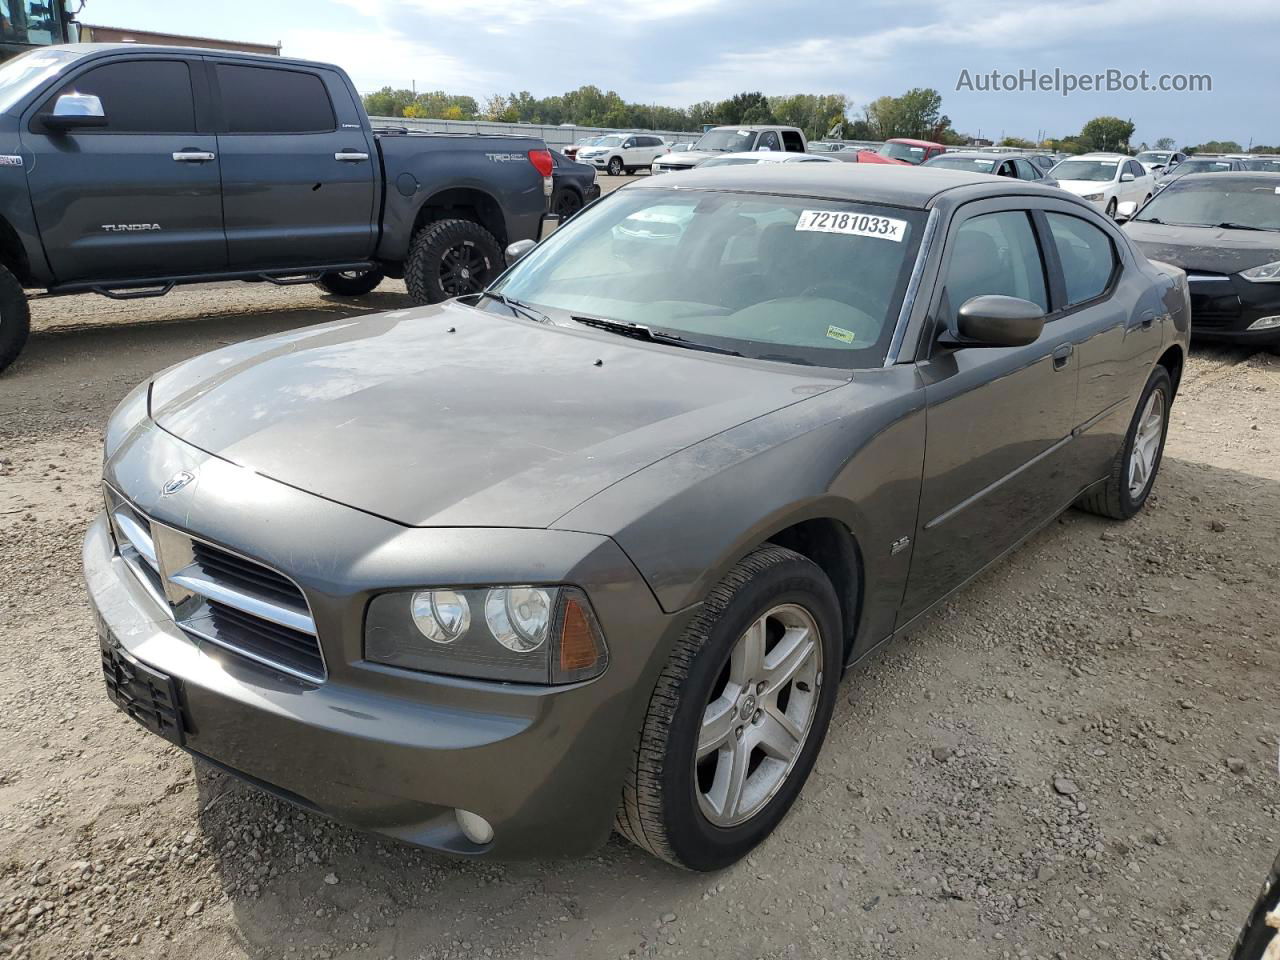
(1075, 757)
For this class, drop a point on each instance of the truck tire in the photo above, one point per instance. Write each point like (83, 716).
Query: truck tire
(350, 283)
(450, 258)
(15, 318)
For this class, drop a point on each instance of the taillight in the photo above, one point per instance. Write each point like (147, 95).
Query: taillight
(541, 160)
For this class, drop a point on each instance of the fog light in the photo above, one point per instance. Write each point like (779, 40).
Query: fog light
(475, 827)
(1266, 323)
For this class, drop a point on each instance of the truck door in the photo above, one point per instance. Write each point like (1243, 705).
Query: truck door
(138, 197)
(298, 169)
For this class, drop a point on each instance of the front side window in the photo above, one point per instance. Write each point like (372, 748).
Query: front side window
(797, 280)
(266, 100)
(138, 96)
(769, 139)
(996, 253)
(1087, 255)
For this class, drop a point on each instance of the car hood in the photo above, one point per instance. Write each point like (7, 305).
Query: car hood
(1082, 187)
(451, 416)
(1206, 249)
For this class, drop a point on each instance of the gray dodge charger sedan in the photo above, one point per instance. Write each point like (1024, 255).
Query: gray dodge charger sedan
(592, 550)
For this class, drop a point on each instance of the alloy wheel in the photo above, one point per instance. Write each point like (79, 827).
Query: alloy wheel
(759, 715)
(462, 270)
(1146, 444)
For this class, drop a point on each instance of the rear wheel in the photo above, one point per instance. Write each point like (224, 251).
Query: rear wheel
(566, 203)
(350, 283)
(1133, 472)
(450, 258)
(738, 714)
(15, 318)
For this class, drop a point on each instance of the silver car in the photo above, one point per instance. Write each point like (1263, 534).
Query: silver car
(592, 549)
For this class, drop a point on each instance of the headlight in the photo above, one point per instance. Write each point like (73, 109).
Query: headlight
(1267, 273)
(527, 634)
(131, 411)
(1093, 196)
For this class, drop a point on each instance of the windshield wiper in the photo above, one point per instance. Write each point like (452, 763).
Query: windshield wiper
(1228, 225)
(517, 307)
(638, 331)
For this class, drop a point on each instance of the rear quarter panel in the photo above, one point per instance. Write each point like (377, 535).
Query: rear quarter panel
(417, 167)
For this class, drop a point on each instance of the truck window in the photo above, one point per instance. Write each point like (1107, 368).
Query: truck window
(769, 140)
(792, 142)
(266, 100)
(138, 96)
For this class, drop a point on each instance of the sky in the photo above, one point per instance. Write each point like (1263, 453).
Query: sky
(678, 52)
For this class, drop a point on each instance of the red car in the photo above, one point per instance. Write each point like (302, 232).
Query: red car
(902, 151)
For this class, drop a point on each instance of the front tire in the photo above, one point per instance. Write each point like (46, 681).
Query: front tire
(450, 258)
(738, 714)
(615, 167)
(1133, 472)
(350, 283)
(15, 318)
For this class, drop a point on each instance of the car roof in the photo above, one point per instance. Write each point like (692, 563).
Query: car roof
(1101, 155)
(151, 50)
(1235, 176)
(973, 155)
(892, 184)
(753, 126)
(913, 143)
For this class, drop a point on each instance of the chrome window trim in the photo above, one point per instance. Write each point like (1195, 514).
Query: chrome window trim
(913, 287)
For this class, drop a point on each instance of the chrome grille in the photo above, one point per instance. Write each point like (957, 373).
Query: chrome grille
(218, 596)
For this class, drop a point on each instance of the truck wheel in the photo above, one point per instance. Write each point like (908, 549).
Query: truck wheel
(450, 258)
(350, 283)
(615, 167)
(738, 714)
(15, 318)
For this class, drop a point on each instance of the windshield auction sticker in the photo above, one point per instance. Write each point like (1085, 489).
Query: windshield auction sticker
(852, 224)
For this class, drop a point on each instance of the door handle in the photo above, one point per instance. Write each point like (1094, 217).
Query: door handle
(194, 156)
(350, 156)
(1147, 320)
(1062, 355)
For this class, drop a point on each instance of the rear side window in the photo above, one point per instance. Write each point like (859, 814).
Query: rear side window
(266, 100)
(138, 96)
(996, 253)
(1087, 255)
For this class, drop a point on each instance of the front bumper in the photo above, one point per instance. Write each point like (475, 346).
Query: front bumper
(380, 748)
(1224, 307)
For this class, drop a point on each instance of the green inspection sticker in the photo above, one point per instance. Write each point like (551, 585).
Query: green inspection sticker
(841, 334)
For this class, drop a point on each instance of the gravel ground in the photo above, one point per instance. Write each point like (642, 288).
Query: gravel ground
(1076, 756)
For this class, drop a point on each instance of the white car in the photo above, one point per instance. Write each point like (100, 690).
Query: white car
(624, 152)
(1156, 162)
(1106, 180)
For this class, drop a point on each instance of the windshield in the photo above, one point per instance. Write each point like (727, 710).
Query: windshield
(27, 71)
(613, 140)
(1153, 156)
(1098, 170)
(726, 141)
(1263, 166)
(970, 164)
(902, 151)
(775, 278)
(1203, 166)
(1251, 203)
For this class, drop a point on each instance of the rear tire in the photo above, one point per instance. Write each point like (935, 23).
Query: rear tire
(451, 258)
(566, 202)
(1127, 488)
(350, 283)
(763, 714)
(15, 318)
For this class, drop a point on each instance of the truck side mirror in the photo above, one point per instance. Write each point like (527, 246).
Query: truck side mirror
(72, 111)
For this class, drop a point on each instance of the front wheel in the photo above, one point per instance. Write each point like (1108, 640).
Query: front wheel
(350, 283)
(1133, 472)
(450, 258)
(738, 714)
(15, 318)
(615, 167)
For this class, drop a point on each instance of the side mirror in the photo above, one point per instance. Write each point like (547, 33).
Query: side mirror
(519, 249)
(74, 111)
(1126, 210)
(996, 321)
(1126, 178)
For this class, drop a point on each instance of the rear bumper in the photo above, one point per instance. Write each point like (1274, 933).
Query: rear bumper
(381, 748)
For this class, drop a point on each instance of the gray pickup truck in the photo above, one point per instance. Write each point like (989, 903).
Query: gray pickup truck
(125, 170)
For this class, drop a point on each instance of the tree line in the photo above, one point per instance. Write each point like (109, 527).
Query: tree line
(916, 114)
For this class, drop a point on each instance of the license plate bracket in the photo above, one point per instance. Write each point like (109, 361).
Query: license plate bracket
(147, 695)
